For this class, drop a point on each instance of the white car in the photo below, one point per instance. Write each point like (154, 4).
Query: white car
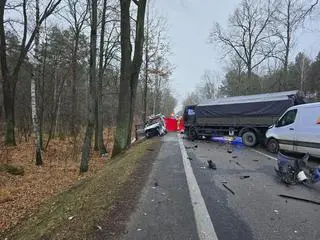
(156, 126)
(297, 130)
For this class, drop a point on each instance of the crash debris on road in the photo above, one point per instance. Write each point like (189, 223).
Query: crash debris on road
(229, 189)
(299, 199)
(211, 165)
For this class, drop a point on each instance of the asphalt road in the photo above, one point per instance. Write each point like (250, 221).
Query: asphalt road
(254, 211)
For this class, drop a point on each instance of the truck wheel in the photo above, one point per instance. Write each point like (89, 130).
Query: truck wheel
(249, 139)
(273, 145)
(193, 133)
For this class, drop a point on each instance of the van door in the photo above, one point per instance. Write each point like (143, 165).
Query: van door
(307, 132)
(286, 130)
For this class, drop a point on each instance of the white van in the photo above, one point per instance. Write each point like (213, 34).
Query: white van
(297, 130)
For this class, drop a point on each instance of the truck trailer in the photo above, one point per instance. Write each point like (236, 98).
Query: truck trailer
(248, 117)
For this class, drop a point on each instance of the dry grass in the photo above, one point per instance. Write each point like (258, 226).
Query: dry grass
(20, 196)
(74, 213)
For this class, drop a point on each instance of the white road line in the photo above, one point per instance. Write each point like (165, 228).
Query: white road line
(266, 155)
(204, 225)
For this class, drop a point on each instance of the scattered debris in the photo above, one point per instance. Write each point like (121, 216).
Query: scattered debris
(234, 156)
(203, 167)
(295, 231)
(244, 177)
(153, 187)
(276, 211)
(139, 229)
(156, 184)
(299, 199)
(145, 214)
(239, 164)
(212, 165)
(255, 160)
(99, 227)
(229, 151)
(163, 194)
(189, 158)
(70, 218)
(224, 182)
(152, 200)
(189, 147)
(228, 189)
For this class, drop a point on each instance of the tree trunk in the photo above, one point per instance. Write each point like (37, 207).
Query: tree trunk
(125, 104)
(129, 73)
(36, 126)
(8, 102)
(8, 84)
(99, 127)
(96, 120)
(74, 85)
(145, 89)
(34, 83)
(92, 88)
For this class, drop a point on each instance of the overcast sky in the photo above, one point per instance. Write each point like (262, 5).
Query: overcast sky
(190, 23)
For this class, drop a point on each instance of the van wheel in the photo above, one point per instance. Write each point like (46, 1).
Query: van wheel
(249, 139)
(273, 145)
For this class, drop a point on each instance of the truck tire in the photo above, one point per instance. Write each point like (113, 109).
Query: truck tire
(273, 145)
(193, 133)
(250, 139)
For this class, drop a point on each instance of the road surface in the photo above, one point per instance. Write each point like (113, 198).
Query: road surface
(183, 199)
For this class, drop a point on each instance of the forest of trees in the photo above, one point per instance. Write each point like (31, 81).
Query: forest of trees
(259, 43)
(70, 68)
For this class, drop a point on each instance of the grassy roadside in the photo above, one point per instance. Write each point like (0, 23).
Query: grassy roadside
(75, 213)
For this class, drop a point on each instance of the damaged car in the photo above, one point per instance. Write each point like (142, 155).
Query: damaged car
(155, 126)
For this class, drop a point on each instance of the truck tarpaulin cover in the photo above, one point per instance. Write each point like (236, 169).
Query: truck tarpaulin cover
(264, 108)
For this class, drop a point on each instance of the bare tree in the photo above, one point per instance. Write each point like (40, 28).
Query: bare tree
(248, 36)
(34, 82)
(130, 69)
(92, 89)
(10, 77)
(77, 11)
(209, 85)
(289, 16)
(156, 44)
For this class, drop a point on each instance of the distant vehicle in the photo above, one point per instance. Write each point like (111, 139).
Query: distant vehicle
(297, 130)
(245, 116)
(155, 126)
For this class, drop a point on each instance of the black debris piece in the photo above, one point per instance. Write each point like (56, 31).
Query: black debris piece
(196, 146)
(189, 158)
(156, 184)
(244, 177)
(229, 151)
(224, 182)
(150, 149)
(239, 164)
(229, 189)
(234, 156)
(255, 160)
(299, 199)
(212, 165)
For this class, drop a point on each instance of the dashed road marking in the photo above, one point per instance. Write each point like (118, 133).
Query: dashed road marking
(266, 155)
(203, 221)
